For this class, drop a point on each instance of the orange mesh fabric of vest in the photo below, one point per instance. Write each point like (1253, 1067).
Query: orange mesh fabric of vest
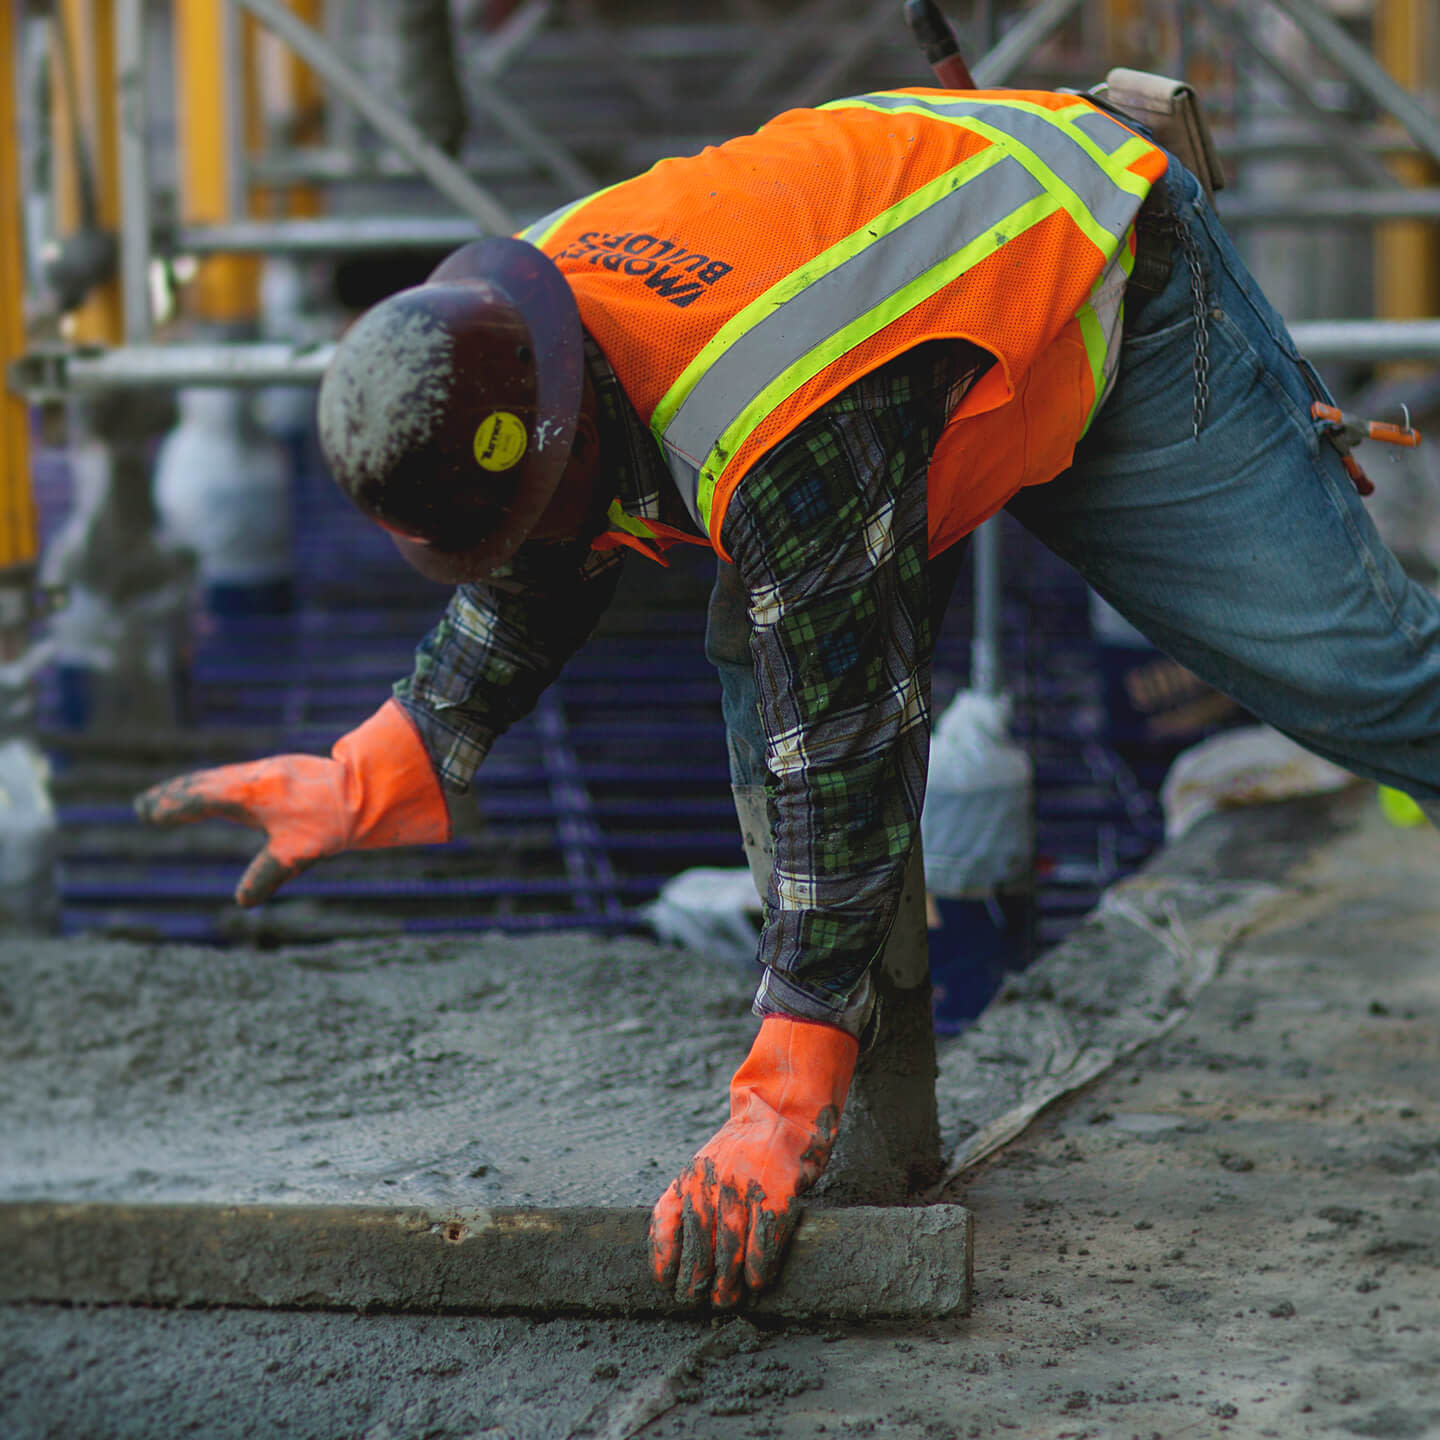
(660, 263)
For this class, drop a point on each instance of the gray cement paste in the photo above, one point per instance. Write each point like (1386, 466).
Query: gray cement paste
(569, 1070)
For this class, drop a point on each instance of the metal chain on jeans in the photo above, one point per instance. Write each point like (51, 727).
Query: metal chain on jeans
(1202, 325)
(1170, 224)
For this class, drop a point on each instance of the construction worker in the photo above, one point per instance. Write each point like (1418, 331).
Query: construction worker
(828, 350)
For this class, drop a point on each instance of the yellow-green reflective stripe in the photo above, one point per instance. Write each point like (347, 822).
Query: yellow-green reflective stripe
(1101, 332)
(1061, 144)
(1101, 127)
(1125, 157)
(1093, 334)
(842, 341)
(1075, 207)
(630, 524)
(1127, 257)
(1081, 209)
(1116, 163)
(873, 232)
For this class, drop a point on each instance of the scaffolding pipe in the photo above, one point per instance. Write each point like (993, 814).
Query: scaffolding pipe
(135, 222)
(234, 111)
(1267, 144)
(1339, 142)
(44, 375)
(1340, 207)
(85, 139)
(305, 164)
(166, 366)
(432, 162)
(1015, 49)
(526, 134)
(1366, 342)
(54, 374)
(985, 661)
(325, 236)
(1360, 66)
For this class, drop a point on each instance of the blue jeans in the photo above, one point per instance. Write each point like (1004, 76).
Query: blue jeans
(1245, 553)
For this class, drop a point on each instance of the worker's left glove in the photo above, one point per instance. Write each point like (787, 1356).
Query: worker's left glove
(377, 788)
(723, 1225)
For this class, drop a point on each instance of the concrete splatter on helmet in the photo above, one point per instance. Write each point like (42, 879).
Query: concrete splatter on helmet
(449, 410)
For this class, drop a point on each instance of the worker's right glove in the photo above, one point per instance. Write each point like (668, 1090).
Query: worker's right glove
(378, 789)
(726, 1220)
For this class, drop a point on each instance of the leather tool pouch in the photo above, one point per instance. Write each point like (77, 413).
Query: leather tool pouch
(1171, 111)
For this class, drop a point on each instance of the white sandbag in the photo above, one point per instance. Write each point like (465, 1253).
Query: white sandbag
(708, 909)
(978, 825)
(1246, 766)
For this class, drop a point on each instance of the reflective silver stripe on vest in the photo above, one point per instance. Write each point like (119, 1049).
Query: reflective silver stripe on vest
(1112, 207)
(1107, 132)
(832, 301)
(1107, 301)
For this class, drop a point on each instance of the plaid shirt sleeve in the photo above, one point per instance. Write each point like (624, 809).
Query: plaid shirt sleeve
(498, 646)
(829, 534)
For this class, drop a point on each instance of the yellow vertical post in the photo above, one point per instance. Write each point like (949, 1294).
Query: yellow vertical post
(1407, 253)
(227, 286)
(18, 540)
(89, 32)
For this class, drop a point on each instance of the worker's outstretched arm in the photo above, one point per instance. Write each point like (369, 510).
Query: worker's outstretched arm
(481, 668)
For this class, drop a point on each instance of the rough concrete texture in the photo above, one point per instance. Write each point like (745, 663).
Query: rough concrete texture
(877, 1262)
(884, 1151)
(1234, 1232)
(889, 1145)
(399, 1071)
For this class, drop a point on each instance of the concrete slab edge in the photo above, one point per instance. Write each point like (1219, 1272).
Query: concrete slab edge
(882, 1263)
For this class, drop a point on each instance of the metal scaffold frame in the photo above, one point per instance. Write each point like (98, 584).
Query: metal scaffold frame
(48, 371)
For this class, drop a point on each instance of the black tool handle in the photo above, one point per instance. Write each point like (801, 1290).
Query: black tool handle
(938, 44)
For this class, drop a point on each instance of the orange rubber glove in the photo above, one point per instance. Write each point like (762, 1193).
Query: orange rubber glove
(732, 1210)
(380, 789)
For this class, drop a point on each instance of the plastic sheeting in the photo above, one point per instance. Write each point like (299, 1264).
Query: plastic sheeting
(1248, 766)
(716, 911)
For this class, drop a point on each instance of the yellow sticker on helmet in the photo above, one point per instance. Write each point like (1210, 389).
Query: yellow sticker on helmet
(500, 441)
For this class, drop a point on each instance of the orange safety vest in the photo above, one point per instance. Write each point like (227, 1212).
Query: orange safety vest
(736, 291)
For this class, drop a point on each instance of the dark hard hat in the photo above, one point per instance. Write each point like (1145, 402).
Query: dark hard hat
(449, 409)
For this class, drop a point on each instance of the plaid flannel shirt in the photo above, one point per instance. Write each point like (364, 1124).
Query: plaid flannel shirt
(829, 533)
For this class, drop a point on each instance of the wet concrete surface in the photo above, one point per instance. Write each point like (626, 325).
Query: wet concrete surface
(1236, 1231)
